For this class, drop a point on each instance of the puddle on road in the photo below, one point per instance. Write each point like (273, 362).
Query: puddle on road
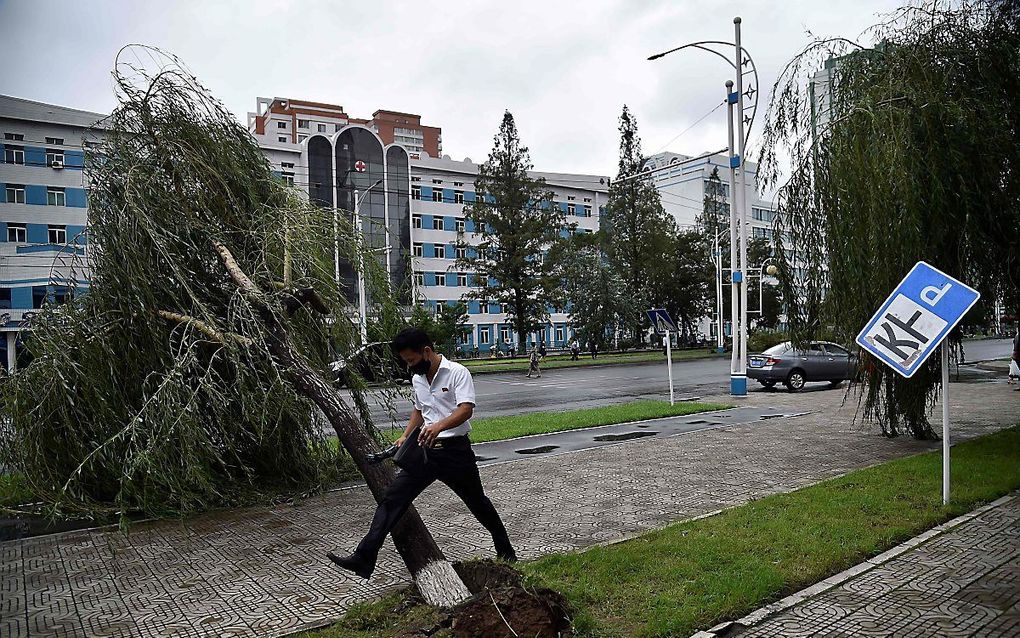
(538, 450)
(625, 436)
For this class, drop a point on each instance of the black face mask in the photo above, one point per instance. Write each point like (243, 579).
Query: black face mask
(421, 367)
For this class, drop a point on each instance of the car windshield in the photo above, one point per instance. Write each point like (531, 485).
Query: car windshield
(779, 349)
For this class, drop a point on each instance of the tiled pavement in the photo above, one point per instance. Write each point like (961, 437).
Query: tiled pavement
(964, 582)
(261, 571)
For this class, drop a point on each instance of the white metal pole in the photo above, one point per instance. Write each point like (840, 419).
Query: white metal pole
(718, 295)
(362, 302)
(742, 198)
(733, 237)
(669, 365)
(945, 422)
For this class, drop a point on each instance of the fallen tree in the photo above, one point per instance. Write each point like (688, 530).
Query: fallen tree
(190, 373)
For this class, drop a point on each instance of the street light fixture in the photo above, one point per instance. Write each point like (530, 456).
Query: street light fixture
(738, 220)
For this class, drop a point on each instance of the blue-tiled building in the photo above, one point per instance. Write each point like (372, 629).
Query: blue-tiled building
(42, 210)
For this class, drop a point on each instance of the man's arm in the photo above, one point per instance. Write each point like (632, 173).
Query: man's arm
(412, 423)
(462, 413)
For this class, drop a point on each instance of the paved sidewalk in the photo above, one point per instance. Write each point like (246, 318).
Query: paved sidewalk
(261, 571)
(960, 582)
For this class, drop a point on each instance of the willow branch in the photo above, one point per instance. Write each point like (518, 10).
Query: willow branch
(204, 328)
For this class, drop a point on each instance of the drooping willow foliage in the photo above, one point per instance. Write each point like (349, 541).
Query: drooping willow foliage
(901, 151)
(155, 390)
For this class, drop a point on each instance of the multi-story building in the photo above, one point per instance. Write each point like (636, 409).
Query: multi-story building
(42, 214)
(288, 122)
(440, 188)
(685, 183)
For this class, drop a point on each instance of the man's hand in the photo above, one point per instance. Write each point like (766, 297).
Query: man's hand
(400, 441)
(428, 434)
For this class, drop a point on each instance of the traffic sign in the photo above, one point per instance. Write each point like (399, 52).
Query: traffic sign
(360, 166)
(916, 317)
(661, 320)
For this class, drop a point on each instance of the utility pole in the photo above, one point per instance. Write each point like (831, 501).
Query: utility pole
(740, 378)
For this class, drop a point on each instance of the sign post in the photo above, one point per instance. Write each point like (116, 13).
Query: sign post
(914, 320)
(662, 323)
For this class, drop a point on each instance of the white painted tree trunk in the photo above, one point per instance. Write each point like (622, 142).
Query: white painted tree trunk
(440, 584)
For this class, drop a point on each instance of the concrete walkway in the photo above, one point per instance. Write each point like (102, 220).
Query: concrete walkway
(960, 579)
(261, 571)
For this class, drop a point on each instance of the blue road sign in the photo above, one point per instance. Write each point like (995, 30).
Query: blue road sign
(661, 321)
(916, 317)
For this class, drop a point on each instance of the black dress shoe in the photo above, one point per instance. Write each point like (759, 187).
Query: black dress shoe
(353, 563)
(509, 557)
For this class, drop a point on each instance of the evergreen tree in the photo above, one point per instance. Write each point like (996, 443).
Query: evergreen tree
(516, 223)
(595, 292)
(633, 225)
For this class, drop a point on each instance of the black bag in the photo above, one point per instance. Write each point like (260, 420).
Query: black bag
(411, 455)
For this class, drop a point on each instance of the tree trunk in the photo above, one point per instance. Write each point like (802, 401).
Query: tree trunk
(434, 575)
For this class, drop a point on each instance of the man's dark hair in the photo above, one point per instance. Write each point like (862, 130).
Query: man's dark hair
(412, 339)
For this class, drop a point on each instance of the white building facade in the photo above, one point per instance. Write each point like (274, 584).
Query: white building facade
(42, 213)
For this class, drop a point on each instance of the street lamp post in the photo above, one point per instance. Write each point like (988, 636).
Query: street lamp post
(738, 199)
(362, 301)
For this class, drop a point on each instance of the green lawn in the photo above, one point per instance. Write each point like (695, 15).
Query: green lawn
(563, 361)
(509, 427)
(690, 576)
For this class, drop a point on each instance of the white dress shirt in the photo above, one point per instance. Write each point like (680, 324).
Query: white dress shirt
(451, 386)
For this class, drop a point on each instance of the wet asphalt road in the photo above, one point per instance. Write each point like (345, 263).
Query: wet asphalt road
(574, 388)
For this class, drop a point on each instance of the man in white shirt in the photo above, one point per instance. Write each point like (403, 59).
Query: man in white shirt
(444, 400)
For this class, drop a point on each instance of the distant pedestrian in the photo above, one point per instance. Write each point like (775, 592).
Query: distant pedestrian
(534, 363)
(541, 350)
(594, 349)
(575, 350)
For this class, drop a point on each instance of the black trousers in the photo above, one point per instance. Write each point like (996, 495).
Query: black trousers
(453, 465)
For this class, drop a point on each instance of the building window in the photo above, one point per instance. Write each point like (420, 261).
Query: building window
(321, 128)
(460, 252)
(15, 194)
(587, 200)
(415, 192)
(301, 138)
(462, 279)
(5, 298)
(483, 332)
(720, 189)
(587, 211)
(416, 220)
(417, 250)
(570, 198)
(437, 181)
(55, 197)
(286, 164)
(419, 279)
(458, 197)
(481, 227)
(559, 333)
(504, 334)
(14, 154)
(302, 123)
(415, 179)
(288, 179)
(338, 127)
(761, 214)
(38, 296)
(458, 183)
(437, 223)
(504, 308)
(440, 279)
(440, 251)
(479, 198)
(459, 225)
(16, 137)
(281, 139)
(437, 195)
(56, 141)
(17, 233)
(281, 125)
(57, 234)
(571, 209)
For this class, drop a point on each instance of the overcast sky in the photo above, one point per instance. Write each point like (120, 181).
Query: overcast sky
(564, 69)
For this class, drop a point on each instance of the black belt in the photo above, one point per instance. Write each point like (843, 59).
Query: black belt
(451, 442)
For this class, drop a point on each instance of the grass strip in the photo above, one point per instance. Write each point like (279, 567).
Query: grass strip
(520, 364)
(693, 575)
(499, 428)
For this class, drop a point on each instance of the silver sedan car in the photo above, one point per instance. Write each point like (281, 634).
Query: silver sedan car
(819, 361)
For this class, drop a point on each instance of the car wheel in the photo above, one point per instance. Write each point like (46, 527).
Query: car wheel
(768, 383)
(795, 381)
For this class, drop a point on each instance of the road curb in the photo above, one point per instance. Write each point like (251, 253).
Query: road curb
(757, 616)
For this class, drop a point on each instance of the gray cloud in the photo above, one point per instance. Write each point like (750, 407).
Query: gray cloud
(563, 68)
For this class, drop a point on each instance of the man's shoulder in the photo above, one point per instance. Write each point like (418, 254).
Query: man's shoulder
(458, 369)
